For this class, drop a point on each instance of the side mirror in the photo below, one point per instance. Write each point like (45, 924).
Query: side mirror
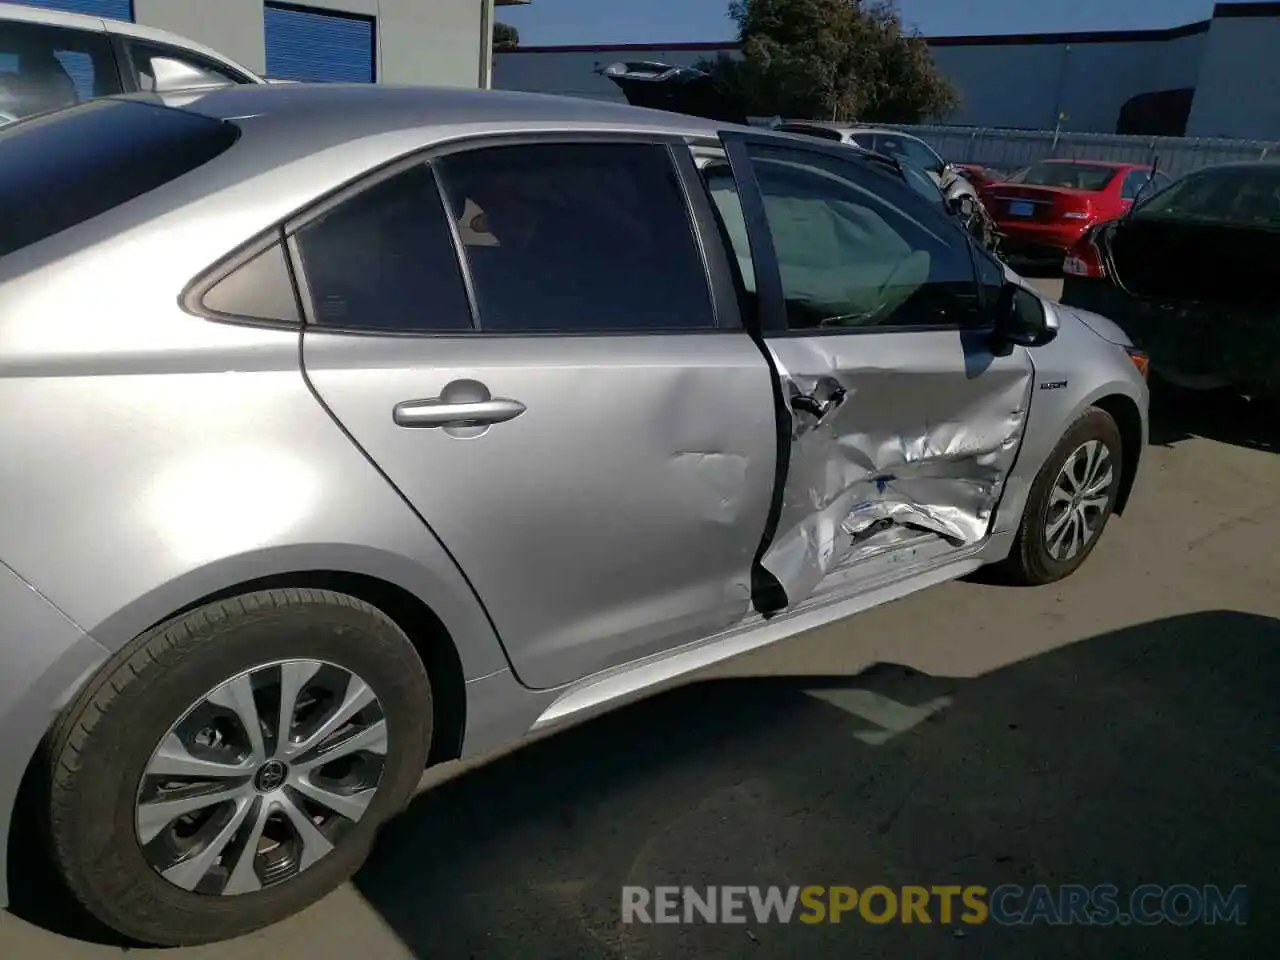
(1021, 318)
(963, 205)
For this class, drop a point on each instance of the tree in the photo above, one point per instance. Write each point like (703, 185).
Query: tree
(505, 36)
(831, 60)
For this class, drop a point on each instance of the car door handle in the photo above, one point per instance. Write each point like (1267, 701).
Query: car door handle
(818, 409)
(439, 412)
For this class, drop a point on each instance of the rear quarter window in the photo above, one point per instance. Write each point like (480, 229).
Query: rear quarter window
(61, 169)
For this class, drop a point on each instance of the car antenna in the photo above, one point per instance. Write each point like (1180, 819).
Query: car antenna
(1151, 179)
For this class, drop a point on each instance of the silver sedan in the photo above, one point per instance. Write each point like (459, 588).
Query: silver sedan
(352, 429)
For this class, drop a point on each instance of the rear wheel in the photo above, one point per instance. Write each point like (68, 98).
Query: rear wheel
(1070, 502)
(232, 766)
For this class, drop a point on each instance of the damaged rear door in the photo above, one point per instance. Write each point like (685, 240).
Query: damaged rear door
(521, 332)
(902, 422)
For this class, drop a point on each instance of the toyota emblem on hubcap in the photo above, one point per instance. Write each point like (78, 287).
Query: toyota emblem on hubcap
(270, 776)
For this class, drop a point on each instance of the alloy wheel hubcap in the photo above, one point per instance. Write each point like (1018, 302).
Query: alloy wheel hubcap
(1078, 500)
(261, 777)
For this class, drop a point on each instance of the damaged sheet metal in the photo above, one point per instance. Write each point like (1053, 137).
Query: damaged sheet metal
(920, 440)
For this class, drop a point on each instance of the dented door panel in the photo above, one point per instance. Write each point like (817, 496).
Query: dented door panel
(616, 517)
(898, 421)
(926, 433)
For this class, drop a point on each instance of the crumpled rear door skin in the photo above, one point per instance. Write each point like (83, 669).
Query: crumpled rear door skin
(927, 432)
(895, 436)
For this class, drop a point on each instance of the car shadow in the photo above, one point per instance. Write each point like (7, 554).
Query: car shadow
(1220, 415)
(1148, 755)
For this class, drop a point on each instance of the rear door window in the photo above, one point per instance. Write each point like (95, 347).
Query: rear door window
(64, 168)
(589, 238)
(44, 68)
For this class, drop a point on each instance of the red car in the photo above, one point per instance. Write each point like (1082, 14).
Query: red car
(977, 174)
(1043, 210)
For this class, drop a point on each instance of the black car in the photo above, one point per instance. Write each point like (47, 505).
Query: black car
(1190, 274)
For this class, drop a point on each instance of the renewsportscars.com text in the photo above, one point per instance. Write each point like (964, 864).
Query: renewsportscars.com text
(1005, 905)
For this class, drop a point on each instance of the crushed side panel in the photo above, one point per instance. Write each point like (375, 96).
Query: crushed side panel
(917, 444)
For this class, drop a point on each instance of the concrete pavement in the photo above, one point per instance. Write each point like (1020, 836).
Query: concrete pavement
(1121, 727)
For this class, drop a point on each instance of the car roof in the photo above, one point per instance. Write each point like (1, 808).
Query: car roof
(1086, 162)
(848, 127)
(81, 21)
(335, 112)
(1240, 165)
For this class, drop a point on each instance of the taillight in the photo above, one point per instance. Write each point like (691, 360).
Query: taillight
(1140, 360)
(1077, 210)
(1084, 260)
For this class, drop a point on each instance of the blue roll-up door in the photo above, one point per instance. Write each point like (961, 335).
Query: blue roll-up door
(314, 45)
(111, 9)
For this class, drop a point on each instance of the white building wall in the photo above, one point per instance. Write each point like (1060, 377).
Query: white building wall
(1027, 85)
(236, 31)
(1238, 92)
(1233, 61)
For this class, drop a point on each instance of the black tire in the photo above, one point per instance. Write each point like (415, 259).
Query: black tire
(1029, 562)
(106, 736)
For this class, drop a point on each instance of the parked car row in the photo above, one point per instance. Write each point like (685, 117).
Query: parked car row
(1044, 209)
(1185, 267)
(1190, 273)
(692, 92)
(420, 419)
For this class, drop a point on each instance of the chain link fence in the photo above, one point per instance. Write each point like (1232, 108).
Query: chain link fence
(1008, 150)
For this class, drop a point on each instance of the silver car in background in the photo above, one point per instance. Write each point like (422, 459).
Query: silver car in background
(51, 59)
(890, 142)
(349, 429)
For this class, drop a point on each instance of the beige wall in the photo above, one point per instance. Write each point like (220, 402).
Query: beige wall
(235, 31)
(435, 42)
(419, 41)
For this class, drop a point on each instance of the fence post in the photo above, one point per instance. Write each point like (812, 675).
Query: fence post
(968, 154)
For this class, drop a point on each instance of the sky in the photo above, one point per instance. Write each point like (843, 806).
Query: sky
(690, 21)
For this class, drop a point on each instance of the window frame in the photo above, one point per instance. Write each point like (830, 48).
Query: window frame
(123, 45)
(716, 270)
(769, 287)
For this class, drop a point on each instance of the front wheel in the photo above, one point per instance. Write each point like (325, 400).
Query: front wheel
(1070, 502)
(232, 766)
